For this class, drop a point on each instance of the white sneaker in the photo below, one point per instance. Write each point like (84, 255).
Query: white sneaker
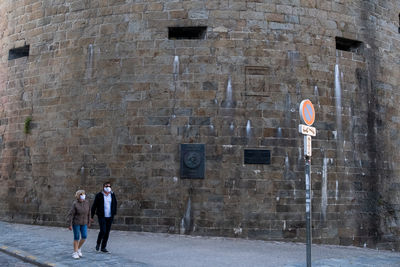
(79, 253)
(75, 255)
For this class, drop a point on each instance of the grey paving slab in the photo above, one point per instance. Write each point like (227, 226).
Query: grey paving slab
(54, 245)
(10, 261)
(40, 246)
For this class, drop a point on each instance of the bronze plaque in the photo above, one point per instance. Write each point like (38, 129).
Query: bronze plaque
(192, 161)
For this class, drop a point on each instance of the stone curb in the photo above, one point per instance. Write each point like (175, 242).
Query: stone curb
(26, 257)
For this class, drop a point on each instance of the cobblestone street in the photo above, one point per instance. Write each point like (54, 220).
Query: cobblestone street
(10, 261)
(52, 246)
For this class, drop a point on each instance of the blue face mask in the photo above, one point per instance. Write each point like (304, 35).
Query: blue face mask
(82, 197)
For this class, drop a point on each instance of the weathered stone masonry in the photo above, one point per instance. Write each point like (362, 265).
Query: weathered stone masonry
(108, 101)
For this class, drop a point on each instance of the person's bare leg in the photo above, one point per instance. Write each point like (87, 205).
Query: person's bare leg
(76, 244)
(81, 243)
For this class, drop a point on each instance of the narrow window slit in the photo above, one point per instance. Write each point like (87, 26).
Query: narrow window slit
(349, 45)
(18, 52)
(179, 33)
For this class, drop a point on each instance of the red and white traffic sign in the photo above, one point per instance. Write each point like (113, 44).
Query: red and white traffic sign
(307, 112)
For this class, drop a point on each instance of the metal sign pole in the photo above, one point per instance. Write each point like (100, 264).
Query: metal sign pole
(307, 115)
(308, 208)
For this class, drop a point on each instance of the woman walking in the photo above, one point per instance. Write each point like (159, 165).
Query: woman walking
(79, 221)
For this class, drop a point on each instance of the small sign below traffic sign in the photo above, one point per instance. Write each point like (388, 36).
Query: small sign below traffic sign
(307, 130)
(307, 146)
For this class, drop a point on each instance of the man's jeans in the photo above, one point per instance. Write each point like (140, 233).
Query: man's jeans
(105, 227)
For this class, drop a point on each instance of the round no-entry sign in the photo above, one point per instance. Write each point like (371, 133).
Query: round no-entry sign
(307, 112)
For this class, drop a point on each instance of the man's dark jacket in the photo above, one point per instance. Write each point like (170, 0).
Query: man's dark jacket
(98, 205)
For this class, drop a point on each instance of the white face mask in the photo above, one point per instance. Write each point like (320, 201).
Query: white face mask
(82, 197)
(107, 189)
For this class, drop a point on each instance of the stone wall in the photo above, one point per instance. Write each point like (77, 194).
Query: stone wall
(108, 101)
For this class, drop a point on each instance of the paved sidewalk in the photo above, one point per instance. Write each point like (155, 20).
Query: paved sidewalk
(10, 261)
(52, 246)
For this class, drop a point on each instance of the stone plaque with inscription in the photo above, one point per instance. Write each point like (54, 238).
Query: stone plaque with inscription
(256, 81)
(257, 156)
(192, 161)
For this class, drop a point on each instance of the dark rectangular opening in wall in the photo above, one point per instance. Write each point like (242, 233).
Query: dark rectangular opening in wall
(179, 33)
(349, 45)
(18, 52)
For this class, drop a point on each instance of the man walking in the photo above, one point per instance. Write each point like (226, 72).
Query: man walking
(105, 207)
